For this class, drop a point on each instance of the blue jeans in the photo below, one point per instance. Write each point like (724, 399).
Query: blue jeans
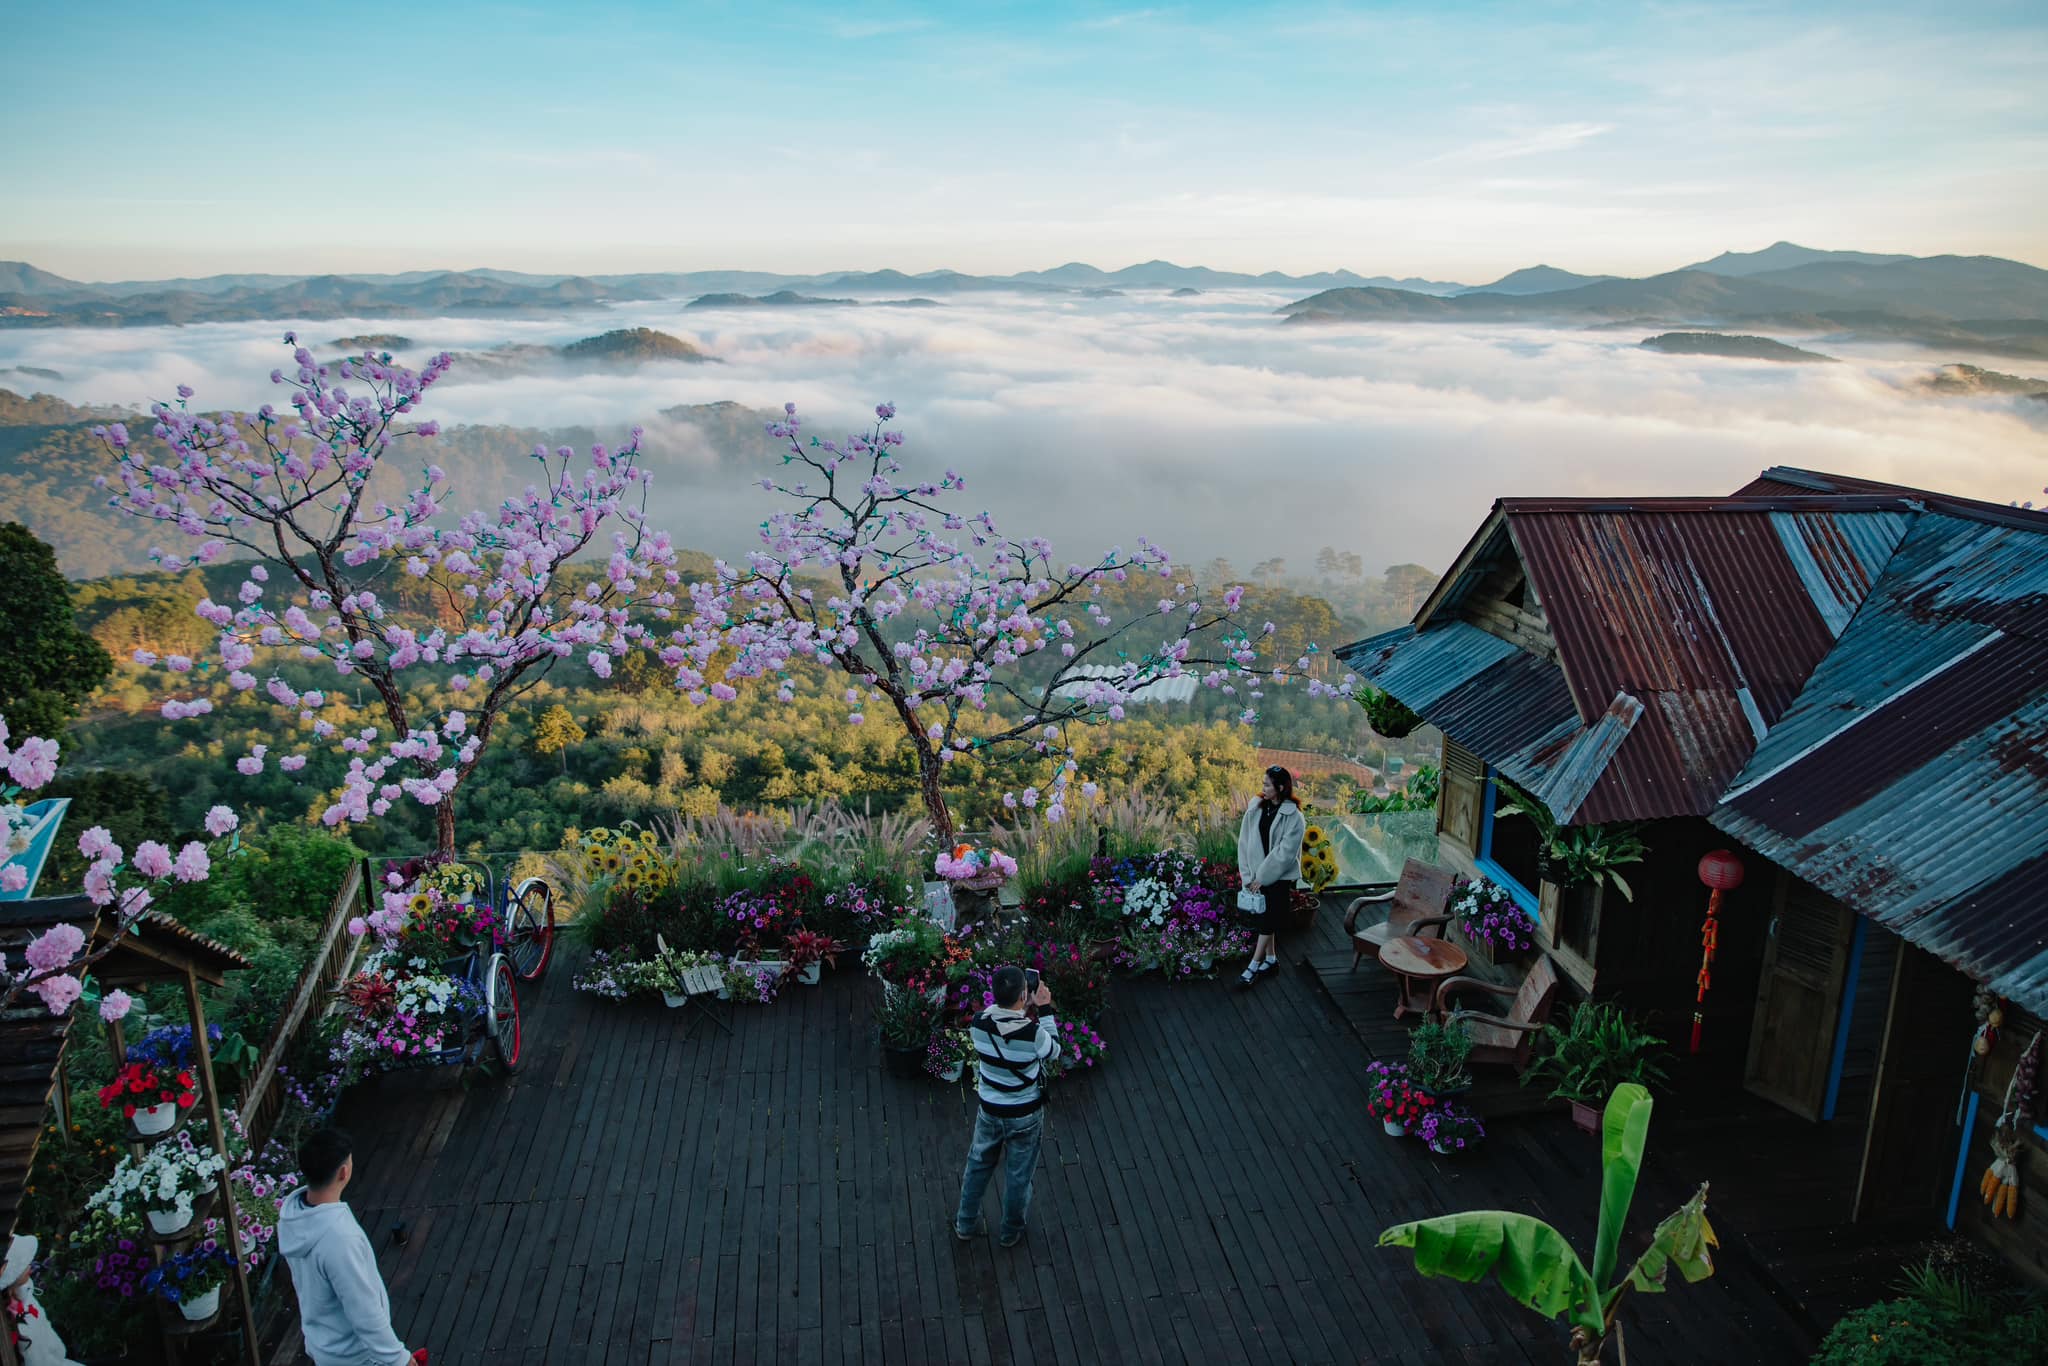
(991, 1136)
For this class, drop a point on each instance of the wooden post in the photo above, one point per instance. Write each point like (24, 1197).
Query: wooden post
(203, 1051)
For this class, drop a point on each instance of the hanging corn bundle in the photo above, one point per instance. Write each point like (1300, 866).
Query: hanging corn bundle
(2000, 1187)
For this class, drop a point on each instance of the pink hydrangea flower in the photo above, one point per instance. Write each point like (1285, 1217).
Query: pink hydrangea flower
(115, 1005)
(220, 820)
(152, 859)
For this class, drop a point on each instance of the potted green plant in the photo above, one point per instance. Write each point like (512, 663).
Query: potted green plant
(1388, 717)
(1596, 1049)
(907, 1020)
(1437, 1058)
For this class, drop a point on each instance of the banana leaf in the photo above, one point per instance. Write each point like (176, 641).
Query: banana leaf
(1624, 1127)
(1531, 1260)
(1683, 1240)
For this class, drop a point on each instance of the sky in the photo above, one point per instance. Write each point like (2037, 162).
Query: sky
(1451, 141)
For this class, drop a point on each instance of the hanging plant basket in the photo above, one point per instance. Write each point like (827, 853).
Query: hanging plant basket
(1387, 716)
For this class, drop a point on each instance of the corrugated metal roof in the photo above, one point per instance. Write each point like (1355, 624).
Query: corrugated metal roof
(1711, 614)
(1910, 777)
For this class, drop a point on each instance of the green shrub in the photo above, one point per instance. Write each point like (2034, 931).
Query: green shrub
(1896, 1333)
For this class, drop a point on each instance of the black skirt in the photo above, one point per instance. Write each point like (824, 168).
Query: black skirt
(1275, 918)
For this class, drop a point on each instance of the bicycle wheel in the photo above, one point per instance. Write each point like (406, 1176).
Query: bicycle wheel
(502, 1028)
(531, 913)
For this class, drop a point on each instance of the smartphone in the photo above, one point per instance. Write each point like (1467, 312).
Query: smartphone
(1031, 981)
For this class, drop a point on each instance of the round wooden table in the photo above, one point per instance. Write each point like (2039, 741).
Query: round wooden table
(1420, 963)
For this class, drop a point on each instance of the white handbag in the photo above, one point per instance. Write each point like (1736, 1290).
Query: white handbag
(1250, 902)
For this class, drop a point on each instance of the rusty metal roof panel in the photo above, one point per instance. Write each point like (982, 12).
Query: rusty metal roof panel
(1910, 778)
(1838, 558)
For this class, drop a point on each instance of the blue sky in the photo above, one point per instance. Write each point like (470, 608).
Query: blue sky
(1451, 141)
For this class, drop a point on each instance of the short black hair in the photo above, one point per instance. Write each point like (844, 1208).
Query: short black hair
(321, 1155)
(1008, 986)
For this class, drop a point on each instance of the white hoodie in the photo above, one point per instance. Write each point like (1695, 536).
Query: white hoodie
(343, 1310)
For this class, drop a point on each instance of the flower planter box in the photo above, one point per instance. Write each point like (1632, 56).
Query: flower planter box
(673, 999)
(813, 972)
(1586, 1117)
(1395, 1128)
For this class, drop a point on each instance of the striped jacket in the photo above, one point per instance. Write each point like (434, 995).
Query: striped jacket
(1012, 1052)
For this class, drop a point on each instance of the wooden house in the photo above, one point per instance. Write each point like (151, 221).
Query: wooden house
(1846, 685)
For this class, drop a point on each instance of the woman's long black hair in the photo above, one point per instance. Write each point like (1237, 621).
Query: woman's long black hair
(1283, 785)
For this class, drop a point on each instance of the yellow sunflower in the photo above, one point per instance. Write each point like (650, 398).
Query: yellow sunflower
(611, 862)
(420, 903)
(647, 838)
(1315, 836)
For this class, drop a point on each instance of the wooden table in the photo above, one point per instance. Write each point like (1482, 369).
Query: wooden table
(1420, 964)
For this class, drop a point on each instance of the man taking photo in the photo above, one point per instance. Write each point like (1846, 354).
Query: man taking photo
(1012, 1048)
(344, 1313)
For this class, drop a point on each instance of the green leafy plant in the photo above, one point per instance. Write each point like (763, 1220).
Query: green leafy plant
(1594, 1052)
(1940, 1318)
(1535, 1265)
(1576, 853)
(1387, 716)
(1437, 1056)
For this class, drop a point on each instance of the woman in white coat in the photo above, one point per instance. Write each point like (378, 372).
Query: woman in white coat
(1269, 862)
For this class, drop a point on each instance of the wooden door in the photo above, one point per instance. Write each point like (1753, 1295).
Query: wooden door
(1909, 1152)
(1806, 957)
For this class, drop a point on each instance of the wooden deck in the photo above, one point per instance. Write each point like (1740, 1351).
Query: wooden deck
(1212, 1195)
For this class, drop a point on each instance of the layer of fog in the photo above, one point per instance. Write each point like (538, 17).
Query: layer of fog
(1200, 422)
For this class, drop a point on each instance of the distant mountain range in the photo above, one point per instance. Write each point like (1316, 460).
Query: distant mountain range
(1981, 303)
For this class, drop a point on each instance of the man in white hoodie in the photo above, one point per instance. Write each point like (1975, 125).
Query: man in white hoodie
(344, 1313)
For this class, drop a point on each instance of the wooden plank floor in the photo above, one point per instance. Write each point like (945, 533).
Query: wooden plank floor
(1212, 1195)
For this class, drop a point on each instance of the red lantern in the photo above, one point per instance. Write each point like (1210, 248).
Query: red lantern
(1721, 872)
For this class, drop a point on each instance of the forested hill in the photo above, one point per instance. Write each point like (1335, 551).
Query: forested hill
(49, 458)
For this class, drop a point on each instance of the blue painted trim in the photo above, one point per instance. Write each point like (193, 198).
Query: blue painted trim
(2041, 1132)
(1955, 1192)
(1531, 904)
(1847, 1015)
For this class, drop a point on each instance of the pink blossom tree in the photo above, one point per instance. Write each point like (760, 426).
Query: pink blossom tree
(55, 961)
(936, 616)
(294, 493)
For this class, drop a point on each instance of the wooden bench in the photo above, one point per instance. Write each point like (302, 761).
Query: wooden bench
(1418, 906)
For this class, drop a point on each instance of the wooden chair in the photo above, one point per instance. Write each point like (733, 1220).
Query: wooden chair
(1418, 905)
(1506, 1039)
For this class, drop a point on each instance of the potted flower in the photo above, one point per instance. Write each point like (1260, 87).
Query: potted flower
(1080, 1049)
(1450, 1129)
(192, 1280)
(949, 1054)
(1393, 1098)
(1437, 1058)
(172, 1183)
(1592, 1052)
(907, 1021)
(456, 882)
(807, 954)
(1491, 920)
(755, 981)
(152, 1100)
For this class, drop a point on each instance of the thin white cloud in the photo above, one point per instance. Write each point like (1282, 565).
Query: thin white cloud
(1556, 137)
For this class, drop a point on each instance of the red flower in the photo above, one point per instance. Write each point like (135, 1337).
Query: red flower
(185, 1100)
(185, 1080)
(127, 1112)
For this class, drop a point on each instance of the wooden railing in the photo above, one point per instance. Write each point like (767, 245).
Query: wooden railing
(334, 956)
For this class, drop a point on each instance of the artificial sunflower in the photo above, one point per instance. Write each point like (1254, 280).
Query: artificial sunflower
(420, 903)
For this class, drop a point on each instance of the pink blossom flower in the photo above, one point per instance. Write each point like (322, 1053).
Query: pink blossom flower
(219, 821)
(152, 859)
(13, 878)
(115, 1005)
(54, 947)
(58, 992)
(33, 763)
(193, 865)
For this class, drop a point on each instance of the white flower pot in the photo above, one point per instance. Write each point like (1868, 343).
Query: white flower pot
(723, 994)
(952, 1071)
(1394, 1127)
(203, 1308)
(157, 1119)
(673, 999)
(165, 1222)
(812, 974)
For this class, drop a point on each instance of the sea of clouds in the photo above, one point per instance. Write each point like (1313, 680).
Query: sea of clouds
(1200, 422)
